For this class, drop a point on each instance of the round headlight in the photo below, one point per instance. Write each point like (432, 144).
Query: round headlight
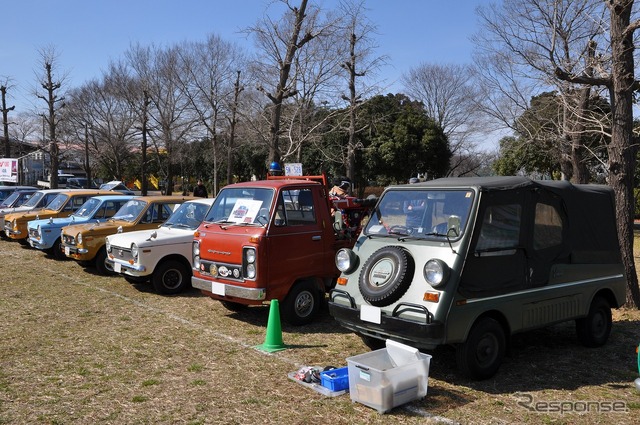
(195, 248)
(196, 262)
(134, 251)
(15, 223)
(108, 245)
(346, 260)
(79, 239)
(251, 255)
(251, 271)
(38, 230)
(436, 272)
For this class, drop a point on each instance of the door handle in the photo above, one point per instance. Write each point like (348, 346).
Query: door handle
(316, 238)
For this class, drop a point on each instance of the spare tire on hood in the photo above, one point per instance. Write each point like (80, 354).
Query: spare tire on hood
(386, 276)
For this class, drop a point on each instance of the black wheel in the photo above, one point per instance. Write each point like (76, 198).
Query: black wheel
(301, 304)
(386, 276)
(171, 277)
(371, 342)
(57, 251)
(231, 306)
(594, 330)
(480, 356)
(100, 260)
(135, 279)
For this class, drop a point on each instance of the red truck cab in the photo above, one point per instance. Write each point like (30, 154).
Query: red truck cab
(271, 239)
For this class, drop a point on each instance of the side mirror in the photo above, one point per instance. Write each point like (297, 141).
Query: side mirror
(338, 224)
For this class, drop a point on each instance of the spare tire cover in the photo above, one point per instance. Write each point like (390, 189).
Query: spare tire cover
(386, 275)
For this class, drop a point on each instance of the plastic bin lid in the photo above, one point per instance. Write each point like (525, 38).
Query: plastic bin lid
(401, 354)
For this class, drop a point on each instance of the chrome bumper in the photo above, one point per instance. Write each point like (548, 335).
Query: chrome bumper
(225, 290)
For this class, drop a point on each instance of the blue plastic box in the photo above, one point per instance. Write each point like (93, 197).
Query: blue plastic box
(335, 379)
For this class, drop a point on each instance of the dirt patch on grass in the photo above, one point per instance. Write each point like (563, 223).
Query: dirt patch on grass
(82, 348)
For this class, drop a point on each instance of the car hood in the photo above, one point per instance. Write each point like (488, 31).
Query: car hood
(164, 236)
(58, 222)
(101, 228)
(31, 214)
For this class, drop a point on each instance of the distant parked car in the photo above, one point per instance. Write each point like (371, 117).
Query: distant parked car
(163, 255)
(44, 234)
(63, 205)
(5, 191)
(86, 242)
(117, 186)
(17, 198)
(81, 183)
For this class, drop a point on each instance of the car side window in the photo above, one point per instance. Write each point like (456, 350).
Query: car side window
(500, 228)
(547, 229)
(302, 211)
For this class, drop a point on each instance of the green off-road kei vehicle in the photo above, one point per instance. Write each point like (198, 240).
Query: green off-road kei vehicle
(471, 261)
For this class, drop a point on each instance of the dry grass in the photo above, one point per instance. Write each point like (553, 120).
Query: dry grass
(82, 348)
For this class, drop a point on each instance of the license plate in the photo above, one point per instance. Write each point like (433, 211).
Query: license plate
(117, 267)
(369, 313)
(67, 251)
(217, 288)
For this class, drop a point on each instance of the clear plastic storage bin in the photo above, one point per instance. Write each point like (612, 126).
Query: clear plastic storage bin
(386, 378)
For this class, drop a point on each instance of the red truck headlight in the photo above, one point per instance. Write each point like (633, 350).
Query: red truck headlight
(249, 262)
(195, 252)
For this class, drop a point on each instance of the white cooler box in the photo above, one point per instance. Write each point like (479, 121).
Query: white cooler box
(386, 378)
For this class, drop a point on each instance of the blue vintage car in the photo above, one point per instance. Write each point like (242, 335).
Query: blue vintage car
(45, 234)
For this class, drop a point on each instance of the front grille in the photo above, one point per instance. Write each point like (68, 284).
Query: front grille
(121, 253)
(223, 270)
(68, 240)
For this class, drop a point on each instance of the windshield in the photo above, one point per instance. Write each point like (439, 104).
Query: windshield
(10, 200)
(421, 213)
(188, 215)
(130, 211)
(88, 208)
(34, 200)
(241, 205)
(58, 202)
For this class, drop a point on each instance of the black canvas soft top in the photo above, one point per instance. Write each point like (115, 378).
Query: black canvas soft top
(590, 208)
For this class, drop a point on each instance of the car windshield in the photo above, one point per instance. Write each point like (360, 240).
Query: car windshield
(130, 211)
(9, 200)
(240, 205)
(188, 215)
(58, 202)
(113, 186)
(88, 208)
(34, 200)
(421, 213)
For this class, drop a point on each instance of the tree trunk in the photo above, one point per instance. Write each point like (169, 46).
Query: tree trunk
(622, 150)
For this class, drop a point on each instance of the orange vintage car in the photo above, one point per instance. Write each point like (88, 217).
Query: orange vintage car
(63, 205)
(86, 242)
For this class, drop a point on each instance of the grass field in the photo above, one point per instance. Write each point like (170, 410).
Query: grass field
(78, 348)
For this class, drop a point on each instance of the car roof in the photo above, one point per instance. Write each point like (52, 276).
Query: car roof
(118, 197)
(165, 198)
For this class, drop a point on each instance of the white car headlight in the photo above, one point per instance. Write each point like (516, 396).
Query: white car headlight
(79, 239)
(107, 245)
(250, 255)
(134, 251)
(346, 260)
(38, 231)
(251, 271)
(436, 273)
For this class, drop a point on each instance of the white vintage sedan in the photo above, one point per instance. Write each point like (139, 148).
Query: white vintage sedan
(163, 254)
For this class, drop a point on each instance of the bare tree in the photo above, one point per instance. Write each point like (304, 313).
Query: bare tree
(170, 114)
(567, 45)
(51, 82)
(278, 46)
(516, 51)
(449, 95)
(206, 75)
(4, 86)
(360, 64)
